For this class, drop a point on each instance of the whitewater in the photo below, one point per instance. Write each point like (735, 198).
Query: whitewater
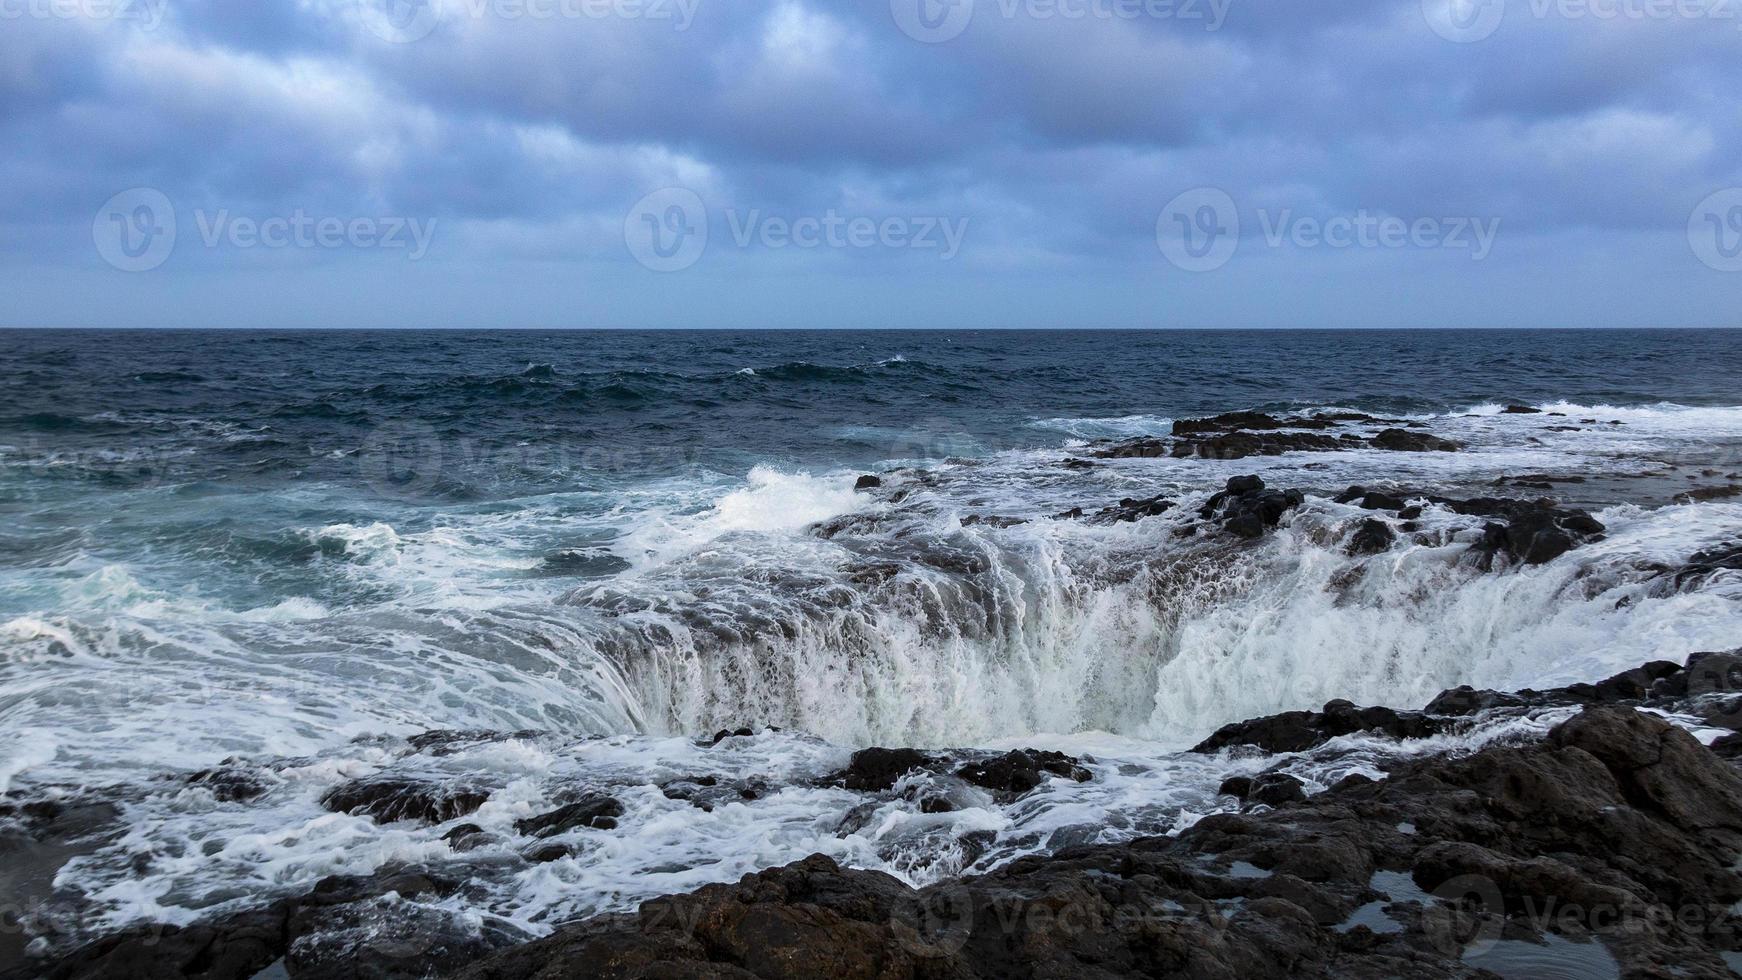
(826, 619)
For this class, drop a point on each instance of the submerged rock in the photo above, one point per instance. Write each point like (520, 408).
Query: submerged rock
(391, 799)
(1022, 770)
(879, 769)
(595, 812)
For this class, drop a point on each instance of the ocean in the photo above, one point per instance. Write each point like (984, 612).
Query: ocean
(287, 553)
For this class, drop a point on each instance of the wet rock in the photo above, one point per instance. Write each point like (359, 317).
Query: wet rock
(1276, 789)
(375, 927)
(1703, 494)
(390, 799)
(1704, 564)
(595, 812)
(868, 483)
(232, 782)
(1131, 509)
(1022, 770)
(975, 520)
(1247, 509)
(875, 769)
(1612, 818)
(1371, 538)
(726, 733)
(1520, 410)
(1297, 731)
(1528, 531)
(595, 563)
(1405, 441)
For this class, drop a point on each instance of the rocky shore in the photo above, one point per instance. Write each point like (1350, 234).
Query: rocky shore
(1610, 847)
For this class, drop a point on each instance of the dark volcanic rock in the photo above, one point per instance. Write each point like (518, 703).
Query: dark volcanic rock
(878, 769)
(974, 520)
(1529, 531)
(1613, 830)
(1297, 731)
(232, 782)
(1240, 445)
(1022, 770)
(1131, 509)
(1520, 410)
(1705, 564)
(1371, 538)
(868, 483)
(372, 927)
(390, 799)
(1247, 509)
(596, 812)
(1405, 441)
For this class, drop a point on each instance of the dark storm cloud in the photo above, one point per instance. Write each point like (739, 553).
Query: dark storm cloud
(529, 127)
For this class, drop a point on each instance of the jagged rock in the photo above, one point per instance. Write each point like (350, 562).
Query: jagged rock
(1130, 510)
(868, 483)
(878, 769)
(1703, 494)
(389, 799)
(1615, 818)
(974, 520)
(1022, 770)
(1703, 565)
(1405, 441)
(231, 782)
(1297, 731)
(1275, 789)
(596, 812)
(1530, 531)
(373, 927)
(1246, 509)
(1371, 538)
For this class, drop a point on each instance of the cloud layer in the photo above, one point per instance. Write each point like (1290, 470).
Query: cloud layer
(530, 135)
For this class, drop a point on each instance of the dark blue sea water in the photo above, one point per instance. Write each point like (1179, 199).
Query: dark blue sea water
(520, 411)
(293, 550)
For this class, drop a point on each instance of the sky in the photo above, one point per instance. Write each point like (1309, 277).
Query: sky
(870, 163)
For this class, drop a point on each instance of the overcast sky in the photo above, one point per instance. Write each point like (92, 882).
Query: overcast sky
(868, 163)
